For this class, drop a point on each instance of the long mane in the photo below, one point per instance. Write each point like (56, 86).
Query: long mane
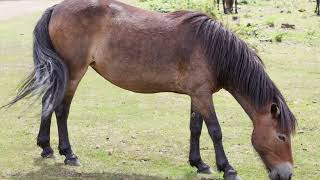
(237, 66)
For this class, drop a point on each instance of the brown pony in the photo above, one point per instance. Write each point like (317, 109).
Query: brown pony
(228, 5)
(148, 52)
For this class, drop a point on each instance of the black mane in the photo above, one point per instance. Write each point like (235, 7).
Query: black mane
(237, 67)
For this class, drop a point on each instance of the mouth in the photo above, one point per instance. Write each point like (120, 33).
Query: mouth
(281, 172)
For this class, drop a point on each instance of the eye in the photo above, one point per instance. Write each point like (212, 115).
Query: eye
(282, 137)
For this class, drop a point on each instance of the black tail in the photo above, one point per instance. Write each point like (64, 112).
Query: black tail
(49, 76)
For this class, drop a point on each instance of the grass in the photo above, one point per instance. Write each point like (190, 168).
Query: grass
(148, 135)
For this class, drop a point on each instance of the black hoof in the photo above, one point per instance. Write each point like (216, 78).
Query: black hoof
(72, 160)
(202, 167)
(231, 174)
(205, 170)
(47, 152)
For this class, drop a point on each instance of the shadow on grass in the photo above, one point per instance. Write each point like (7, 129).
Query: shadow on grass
(54, 170)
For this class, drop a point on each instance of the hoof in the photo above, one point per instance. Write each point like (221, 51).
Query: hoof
(205, 171)
(231, 174)
(233, 177)
(47, 153)
(49, 156)
(72, 160)
(202, 167)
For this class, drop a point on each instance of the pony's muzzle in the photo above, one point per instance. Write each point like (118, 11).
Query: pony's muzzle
(281, 172)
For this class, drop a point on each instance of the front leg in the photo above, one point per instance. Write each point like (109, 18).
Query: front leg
(203, 103)
(236, 6)
(194, 155)
(224, 6)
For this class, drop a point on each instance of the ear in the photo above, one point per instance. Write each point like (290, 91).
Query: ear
(275, 111)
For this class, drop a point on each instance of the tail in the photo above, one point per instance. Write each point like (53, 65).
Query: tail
(49, 75)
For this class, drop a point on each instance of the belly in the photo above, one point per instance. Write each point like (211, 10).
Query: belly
(137, 67)
(137, 77)
(139, 59)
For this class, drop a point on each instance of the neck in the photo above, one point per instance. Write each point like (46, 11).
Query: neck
(245, 104)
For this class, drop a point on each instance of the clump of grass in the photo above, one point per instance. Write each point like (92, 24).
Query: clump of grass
(279, 37)
(270, 23)
(247, 15)
(243, 2)
(310, 34)
(247, 30)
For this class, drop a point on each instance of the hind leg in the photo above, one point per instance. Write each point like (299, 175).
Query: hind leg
(43, 139)
(62, 112)
(64, 147)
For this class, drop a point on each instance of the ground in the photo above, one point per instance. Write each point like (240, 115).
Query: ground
(121, 134)
(10, 9)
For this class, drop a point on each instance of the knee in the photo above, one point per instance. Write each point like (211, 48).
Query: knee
(215, 133)
(195, 130)
(196, 124)
(60, 110)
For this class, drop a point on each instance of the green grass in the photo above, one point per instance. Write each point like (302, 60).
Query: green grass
(149, 134)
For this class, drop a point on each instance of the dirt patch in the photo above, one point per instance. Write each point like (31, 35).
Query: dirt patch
(15, 8)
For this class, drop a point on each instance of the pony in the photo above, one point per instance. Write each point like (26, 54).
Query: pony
(228, 6)
(143, 51)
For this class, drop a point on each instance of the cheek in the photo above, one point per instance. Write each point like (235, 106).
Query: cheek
(258, 142)
(261, 139)
(271, 150)
(283, 150)
(264, 134)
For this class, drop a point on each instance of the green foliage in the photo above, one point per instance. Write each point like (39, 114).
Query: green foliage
(270, 23)
(207, 6)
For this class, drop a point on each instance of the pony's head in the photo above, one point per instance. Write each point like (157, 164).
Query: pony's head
(271, 138)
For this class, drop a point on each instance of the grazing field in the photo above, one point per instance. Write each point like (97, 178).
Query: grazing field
(121, 134)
